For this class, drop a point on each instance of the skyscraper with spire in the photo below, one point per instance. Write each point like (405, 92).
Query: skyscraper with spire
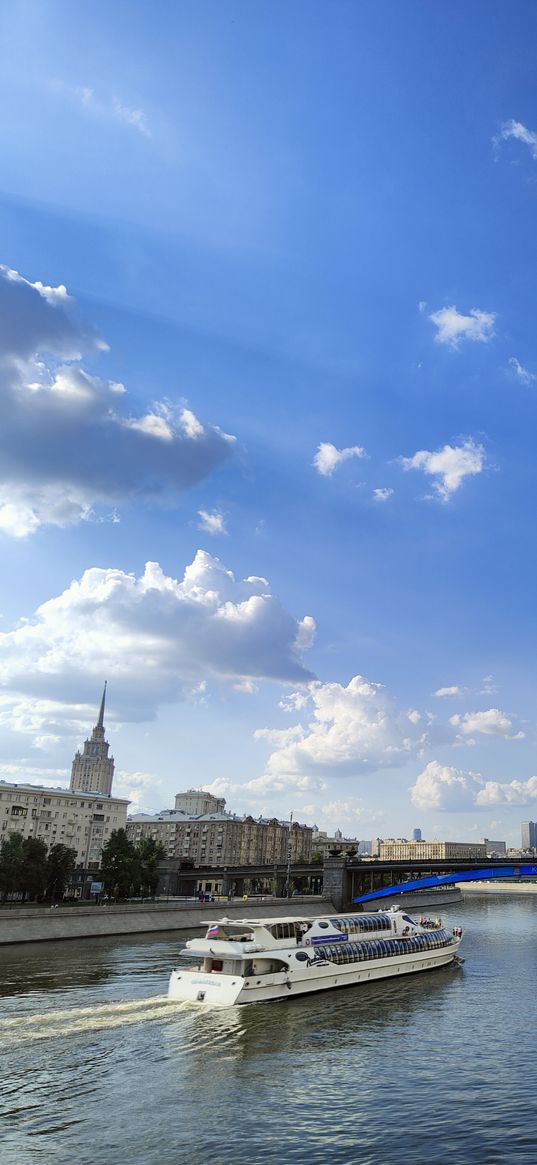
(92, 770)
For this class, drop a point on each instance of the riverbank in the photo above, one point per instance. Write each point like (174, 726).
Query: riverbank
(30, 924)
(496, 887)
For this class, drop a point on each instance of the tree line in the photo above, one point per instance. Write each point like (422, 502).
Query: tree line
(29, 869)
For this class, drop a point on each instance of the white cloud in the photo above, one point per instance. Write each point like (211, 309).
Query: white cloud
(65, 446)
(134, 117)
(26, 774)
(351, 730)
(105, 109)
(455, 690)
(449, 465)
(46, 742)
(445, 788)
(511, 793)
(295, 702)
(493, 722)
(212, 522)
(328, 457)
(518, 131)
(348, 815)
(522, 373)
(440, 787)
(136, 787)
(154, 638)
(260, 789)
(453, 326)
(382, 495)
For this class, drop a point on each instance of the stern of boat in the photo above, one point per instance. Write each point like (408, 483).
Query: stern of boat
(190, 986)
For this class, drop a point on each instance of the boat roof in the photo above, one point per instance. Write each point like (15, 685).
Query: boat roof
(262, 921)
(241, 922)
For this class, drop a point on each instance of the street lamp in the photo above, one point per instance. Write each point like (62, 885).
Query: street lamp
(288, 878)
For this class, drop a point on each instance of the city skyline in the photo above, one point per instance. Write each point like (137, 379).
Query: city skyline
(269, 384)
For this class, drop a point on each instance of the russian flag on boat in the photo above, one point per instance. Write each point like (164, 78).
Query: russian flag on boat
(212, 930)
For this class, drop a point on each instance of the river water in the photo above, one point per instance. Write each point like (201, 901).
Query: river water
(97, 1067)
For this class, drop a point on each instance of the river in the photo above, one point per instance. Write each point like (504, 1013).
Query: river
(97, 1068)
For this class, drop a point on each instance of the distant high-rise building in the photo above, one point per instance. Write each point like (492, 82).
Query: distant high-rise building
(494, 847)
(92, 770)
(529, 834)
(416, 835)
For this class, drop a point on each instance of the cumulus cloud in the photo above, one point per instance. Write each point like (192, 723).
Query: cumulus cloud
(493, 722)
(453, 326)
(383, 494)
(511, 793)
(449, 465)
(68, 440)
(520, 133)
(454, 690)
(212, 522)
(441, 787)
(153, 637)
(351, 730)
(328, 457)
(523, 375)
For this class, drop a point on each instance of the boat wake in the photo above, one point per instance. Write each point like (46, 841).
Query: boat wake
(76, 1020)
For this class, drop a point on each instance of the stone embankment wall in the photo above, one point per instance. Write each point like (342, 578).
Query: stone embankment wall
(19, 924)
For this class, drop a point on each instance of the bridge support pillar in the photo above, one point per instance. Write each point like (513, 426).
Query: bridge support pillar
(335, 880)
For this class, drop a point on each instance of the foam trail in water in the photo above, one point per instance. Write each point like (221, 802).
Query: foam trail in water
(76, 1020)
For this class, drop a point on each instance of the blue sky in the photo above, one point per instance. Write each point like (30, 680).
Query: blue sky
(267, 314)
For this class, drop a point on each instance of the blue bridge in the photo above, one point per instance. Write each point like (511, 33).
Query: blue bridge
(428, 883)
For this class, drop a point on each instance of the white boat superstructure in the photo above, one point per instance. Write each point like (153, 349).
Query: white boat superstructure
(249, 960)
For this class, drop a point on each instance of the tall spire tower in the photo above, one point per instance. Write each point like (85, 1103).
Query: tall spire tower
(92, 770)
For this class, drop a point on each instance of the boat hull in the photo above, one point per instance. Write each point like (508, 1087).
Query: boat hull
(228, 990)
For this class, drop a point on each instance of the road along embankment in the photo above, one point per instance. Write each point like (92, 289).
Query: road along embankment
(30, 924)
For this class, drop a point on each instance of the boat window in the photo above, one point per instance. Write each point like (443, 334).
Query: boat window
(283, 930)
(301, 956)
(324, 925)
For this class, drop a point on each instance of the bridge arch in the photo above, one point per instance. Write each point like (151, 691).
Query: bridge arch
(484, 875)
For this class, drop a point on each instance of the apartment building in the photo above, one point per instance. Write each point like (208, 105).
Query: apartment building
(81, 820)
(223, 839)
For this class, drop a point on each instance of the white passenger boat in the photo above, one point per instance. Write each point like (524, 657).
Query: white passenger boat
(250, 960)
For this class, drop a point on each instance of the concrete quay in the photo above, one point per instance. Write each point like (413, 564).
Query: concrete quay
(30, 924)
(496, 887)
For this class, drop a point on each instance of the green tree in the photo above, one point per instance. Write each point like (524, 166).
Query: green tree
(119, 862)
(150, 853)
(60, 862)
(11, 857)
(33, 868)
